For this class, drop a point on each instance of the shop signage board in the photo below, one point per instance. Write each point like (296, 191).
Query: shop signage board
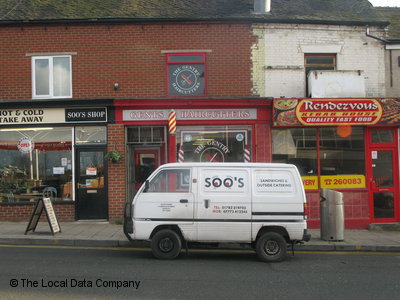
(37, 116)
(95, 114)
(43, 204)
(352, 181)
(31, 116)
(310, 182)
(323, 112)
(190, 114)
(294, 112)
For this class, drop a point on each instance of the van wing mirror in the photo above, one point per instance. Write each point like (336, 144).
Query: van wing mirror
(146, 186)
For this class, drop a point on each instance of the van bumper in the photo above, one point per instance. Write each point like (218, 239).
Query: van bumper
(306, 236)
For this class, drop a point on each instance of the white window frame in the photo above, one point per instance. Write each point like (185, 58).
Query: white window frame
(51, 83)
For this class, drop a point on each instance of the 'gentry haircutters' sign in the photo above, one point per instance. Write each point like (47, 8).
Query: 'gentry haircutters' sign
(190, 114)
(338, 111)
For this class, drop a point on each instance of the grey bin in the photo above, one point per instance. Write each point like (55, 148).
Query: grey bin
(331, 215)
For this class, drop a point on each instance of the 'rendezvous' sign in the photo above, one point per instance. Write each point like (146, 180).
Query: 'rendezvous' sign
(338, 111)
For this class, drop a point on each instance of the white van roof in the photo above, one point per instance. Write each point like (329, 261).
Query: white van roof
(228, 165)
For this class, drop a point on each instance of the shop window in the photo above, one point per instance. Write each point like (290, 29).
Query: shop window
(34, 161)
(90, 135)
(214, 144)
(341, 156)
(382, 136)
(186, 74)
(296, 146)
(51, 77)
(146, 135)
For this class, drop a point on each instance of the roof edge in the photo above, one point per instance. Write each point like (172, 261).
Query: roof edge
(170, 20)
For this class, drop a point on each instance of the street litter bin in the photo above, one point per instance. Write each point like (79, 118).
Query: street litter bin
(331, 215)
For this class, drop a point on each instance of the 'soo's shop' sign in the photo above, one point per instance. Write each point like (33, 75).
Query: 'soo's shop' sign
(338, 111)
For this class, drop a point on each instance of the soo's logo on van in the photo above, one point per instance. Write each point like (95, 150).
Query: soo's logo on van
(227, 182)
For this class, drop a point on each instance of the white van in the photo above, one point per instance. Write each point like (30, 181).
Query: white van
(261, 204)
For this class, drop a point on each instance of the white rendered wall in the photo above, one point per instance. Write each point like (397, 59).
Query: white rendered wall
(278, 56)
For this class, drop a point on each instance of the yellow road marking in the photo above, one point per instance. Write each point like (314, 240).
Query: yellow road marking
(198, 250)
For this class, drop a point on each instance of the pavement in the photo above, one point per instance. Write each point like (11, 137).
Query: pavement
(104, 234)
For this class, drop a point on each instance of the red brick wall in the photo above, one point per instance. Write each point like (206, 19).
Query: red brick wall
(262, 143)
(116, 174)
(18, 213)
(356, 209)
(129, 54)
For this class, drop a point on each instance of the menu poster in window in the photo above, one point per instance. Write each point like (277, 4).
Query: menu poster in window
(46, 205)
(91, 171)
(58, 170)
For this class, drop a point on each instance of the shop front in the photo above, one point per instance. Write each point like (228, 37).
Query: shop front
(54, 152)
(196, 130)
(349, 145)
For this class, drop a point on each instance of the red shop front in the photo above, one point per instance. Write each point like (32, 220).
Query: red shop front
(195, 130)
(350, 145)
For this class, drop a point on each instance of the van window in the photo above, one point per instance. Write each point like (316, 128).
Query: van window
(170, 181)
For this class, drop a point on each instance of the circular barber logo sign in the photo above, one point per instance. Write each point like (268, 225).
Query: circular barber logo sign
(25, 145)
(186, 80)
(212, 155)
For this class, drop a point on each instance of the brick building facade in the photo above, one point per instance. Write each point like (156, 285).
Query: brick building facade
(77, 83)
(132, 55)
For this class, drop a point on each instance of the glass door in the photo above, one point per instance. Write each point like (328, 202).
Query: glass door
(383, 172)
(382, 184)
(92, 202)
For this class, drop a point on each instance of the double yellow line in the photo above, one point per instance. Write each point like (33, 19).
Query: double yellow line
(199, 250)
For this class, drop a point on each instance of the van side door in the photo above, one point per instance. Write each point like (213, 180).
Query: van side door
(167, 197)
(224, 205)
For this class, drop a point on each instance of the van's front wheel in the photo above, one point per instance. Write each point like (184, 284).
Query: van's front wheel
(166, 244)
(271, 247)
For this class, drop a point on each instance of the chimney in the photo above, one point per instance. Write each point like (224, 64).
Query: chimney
(262, 6)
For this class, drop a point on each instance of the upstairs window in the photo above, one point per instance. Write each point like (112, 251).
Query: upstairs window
(51, 77)
(318, 62)
(186, 74)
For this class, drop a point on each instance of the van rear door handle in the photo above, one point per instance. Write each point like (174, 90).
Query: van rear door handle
(184, 201)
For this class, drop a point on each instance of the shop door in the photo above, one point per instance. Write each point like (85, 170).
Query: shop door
(146, 161)
(91, 185)
(383, 170)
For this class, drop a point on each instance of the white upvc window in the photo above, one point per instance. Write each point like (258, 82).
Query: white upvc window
(51, 76)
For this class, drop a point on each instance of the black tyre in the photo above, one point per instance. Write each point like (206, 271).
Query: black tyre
(166, 244)
(271, 247)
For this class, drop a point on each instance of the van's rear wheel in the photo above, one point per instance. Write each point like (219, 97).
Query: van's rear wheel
(166, 244)
(271, 247)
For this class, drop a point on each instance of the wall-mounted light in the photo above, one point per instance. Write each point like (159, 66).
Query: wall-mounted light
(116, 86)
